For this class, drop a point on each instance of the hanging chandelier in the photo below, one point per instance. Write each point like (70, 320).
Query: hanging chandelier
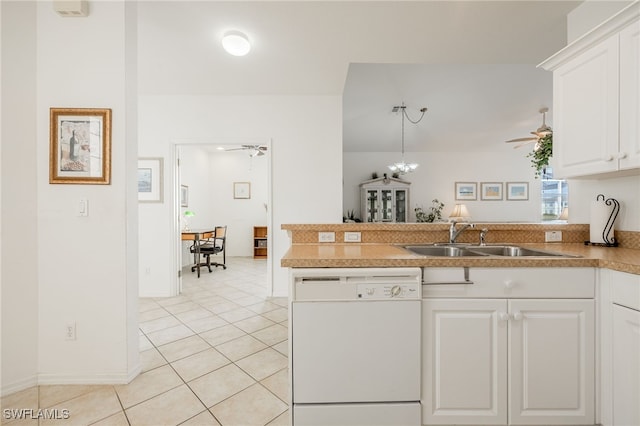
(403, 167)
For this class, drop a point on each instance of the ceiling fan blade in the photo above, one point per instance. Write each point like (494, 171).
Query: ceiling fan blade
(522, 140)
(235, 149)
(520, 145)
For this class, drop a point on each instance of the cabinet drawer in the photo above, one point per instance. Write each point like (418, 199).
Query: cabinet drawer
(625, 289)
(569, 283)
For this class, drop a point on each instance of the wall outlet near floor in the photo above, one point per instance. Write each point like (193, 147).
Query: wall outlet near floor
(352, 237)
(326, 237)
(70, 331)
(553, 236)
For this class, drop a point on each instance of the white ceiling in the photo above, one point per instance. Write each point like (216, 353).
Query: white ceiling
(472, 63)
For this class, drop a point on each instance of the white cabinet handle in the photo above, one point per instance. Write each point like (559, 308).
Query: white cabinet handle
(517, 315)
(622, 155)
(508, 284)
(503, 316)
(608, 158)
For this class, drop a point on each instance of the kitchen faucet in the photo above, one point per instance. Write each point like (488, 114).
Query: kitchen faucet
(453, 232)
(483, 235)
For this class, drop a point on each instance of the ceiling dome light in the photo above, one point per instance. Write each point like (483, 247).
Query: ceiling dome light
(236, 43)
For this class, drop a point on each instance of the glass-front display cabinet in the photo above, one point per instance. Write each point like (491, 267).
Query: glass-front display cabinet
(384, 200)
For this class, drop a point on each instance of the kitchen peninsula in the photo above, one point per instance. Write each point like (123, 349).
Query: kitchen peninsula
(532, 340)
(381, 246)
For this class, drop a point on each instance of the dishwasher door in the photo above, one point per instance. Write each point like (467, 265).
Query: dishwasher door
(356, 351)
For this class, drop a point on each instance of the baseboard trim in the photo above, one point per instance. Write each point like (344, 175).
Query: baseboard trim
(88, 379)
(26, 383)
(71, 379)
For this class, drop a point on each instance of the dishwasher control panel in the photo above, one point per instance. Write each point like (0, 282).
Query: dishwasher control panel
(388, 291)
(355, 284)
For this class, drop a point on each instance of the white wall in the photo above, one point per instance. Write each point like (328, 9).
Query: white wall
(19, 179)
(306, 164)
(240, 215)
(57, 267)
(436, 177)
(625, 189)
(87, 264)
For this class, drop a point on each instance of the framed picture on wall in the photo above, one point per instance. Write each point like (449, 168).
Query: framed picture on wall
(80, 145)
(150, 180)
(241, 190)
(517, 191)
(491, 191)
(184, 196)
(466, 191)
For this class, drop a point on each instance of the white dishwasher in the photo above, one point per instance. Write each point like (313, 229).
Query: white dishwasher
(355, 346)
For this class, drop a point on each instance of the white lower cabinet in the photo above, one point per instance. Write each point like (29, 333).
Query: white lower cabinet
(551, 362)
(626, 366)
(464, 362)
(501, 360)
(620, 348)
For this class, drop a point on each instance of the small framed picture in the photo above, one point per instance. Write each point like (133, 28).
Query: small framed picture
(491, 191)
(242, 190)
(184, 196)
(517, 191)
(150, 180)
(466, 191)
(80, 146)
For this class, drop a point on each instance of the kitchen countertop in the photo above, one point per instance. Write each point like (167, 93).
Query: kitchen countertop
(354, 255)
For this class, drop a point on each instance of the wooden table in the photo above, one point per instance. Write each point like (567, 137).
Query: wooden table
(197, 235)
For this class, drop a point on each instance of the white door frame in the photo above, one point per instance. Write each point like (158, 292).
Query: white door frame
(176, 281)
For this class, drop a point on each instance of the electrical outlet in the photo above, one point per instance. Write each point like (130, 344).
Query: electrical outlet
(326, 237)
(553, 236)
(70, 331)
(352, 237)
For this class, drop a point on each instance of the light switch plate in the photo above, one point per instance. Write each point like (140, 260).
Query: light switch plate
(83, 207)
(553, 236)
(326, 237)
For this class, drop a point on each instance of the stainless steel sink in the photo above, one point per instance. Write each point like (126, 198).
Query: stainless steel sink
(512, 251)
(442, 251)
(457, 250)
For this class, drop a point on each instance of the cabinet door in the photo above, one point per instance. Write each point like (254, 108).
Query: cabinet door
(371, 201)
(551, 359)
(585, 116)
(386, 205)
(626, 366)
(400, 205)
(464, 361)
(630, 97)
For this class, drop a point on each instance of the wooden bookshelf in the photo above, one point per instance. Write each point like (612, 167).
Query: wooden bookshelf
(259, 242)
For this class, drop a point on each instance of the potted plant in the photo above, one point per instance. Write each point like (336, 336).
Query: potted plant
(432, 214)
(541, 154)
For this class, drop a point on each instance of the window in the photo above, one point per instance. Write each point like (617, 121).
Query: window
(554, 196)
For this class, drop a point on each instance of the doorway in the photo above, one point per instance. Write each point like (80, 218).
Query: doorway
(222, 183)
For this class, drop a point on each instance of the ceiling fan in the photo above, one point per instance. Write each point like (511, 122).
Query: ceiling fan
(258, 150)
(540, 132)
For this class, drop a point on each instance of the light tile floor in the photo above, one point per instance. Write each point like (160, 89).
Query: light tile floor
(215, 355)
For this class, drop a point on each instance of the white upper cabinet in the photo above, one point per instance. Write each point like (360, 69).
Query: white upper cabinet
(630, 96)
(596, 94)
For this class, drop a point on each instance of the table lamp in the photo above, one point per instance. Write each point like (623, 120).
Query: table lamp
(459, 213)
(187, 214)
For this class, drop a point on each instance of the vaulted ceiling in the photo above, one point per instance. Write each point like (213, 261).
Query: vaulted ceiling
(471, 63)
